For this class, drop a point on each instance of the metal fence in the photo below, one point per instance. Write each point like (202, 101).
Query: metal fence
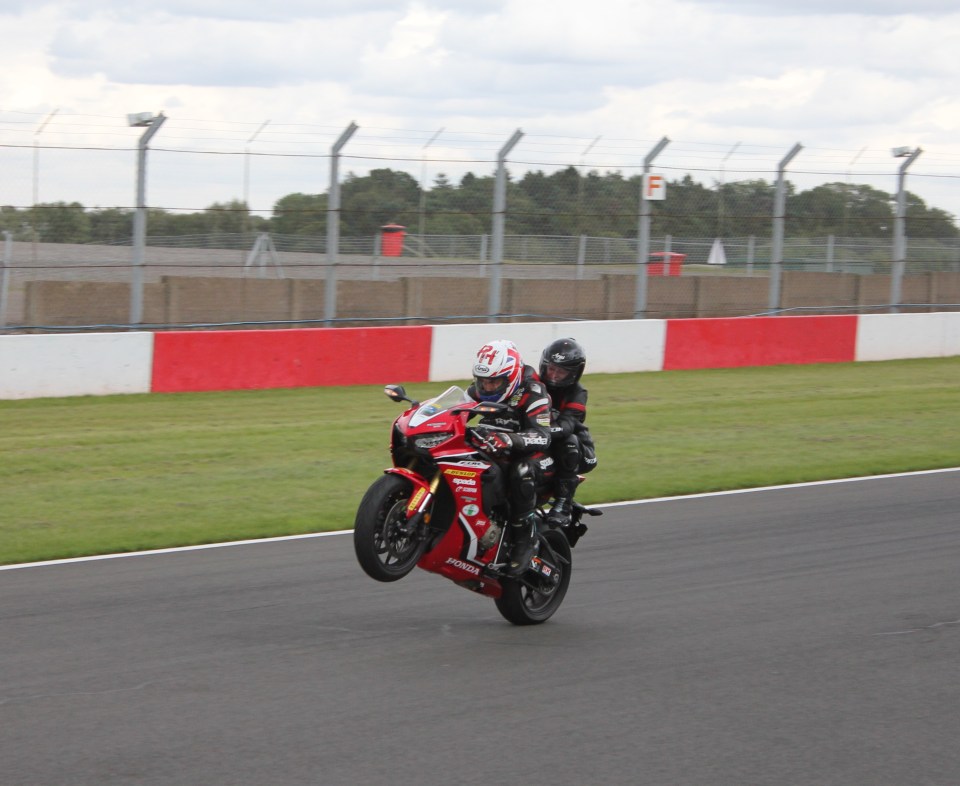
(526, 210)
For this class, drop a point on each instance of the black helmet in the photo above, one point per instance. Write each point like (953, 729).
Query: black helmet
(562, 364)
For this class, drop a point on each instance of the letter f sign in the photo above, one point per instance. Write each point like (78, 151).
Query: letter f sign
(654, 187)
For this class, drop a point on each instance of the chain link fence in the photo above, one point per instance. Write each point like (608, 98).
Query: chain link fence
(403, 238)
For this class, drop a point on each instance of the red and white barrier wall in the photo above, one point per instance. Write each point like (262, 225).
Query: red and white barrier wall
(179, 361)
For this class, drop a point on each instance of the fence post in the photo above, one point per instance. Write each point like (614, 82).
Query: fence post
(5, 275)
(378, 250)
(831, 240)
(643, 235)
(899, 229)
(581, 256)
(499, 222)
(152, 123)
(333, 225)
(779, 212)
(751, 250)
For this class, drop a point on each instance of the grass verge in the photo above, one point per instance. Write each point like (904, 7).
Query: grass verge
(94, 475)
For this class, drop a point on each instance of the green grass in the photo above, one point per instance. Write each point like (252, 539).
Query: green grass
(103, 474)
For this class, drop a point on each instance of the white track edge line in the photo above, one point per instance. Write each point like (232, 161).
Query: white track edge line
(281, 538)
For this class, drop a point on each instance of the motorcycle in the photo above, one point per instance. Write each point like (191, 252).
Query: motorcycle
(442, 507)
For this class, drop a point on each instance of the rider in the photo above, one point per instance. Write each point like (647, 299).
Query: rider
(500, 375)
(561, 366)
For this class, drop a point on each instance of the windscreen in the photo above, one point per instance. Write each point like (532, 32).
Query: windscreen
(453, 396)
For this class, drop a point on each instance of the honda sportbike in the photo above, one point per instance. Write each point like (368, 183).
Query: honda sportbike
(443, 507)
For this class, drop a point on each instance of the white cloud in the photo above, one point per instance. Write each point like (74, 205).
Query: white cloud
(833, 7)
(837, 76)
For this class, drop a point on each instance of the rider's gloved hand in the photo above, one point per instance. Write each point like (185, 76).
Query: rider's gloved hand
(499, 444)
(496, 443)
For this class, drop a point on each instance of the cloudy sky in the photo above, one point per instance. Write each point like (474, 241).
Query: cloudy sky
(257, 92)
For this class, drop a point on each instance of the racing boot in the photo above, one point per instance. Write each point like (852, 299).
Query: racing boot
(559, 515)
(524, 548)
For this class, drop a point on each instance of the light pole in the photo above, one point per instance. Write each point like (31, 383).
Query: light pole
(723, 165)
(36, 175)
(246, 175)
(423, 191)
(499, 224)
(846, 190)
(152, 124)
(333, 224)
(580, 180)
(899, 227)
(779, 214)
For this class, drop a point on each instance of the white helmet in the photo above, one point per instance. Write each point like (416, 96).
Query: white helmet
(497, 371)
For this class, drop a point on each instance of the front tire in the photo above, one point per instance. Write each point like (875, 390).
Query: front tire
(523, 605)
(386, 548)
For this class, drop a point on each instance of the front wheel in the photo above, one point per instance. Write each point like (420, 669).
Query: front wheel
(386, 548)
(532, 602)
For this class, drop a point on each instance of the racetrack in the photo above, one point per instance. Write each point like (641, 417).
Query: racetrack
(805, 635)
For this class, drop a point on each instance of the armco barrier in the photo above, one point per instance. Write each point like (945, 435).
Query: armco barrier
(90, 364)
(105, 363)
(256, 359)
(613, 345)
(759, 341)
(894, 336)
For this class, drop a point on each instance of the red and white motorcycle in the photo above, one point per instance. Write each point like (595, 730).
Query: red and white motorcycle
(442, 507)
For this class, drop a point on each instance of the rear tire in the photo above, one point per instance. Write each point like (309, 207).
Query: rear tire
(385, 548)
(522, 605)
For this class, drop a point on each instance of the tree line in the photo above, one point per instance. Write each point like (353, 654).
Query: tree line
(565, 202)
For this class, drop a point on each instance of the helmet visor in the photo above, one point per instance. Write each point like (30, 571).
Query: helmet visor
(491, 388)
(556, 375)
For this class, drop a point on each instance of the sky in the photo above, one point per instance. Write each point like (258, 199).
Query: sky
(256, 93)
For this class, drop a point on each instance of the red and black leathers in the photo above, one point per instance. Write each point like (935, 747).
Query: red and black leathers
(571, 445)
(527, 418)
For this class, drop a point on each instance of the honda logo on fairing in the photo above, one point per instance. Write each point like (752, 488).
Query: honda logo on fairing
(459, 563)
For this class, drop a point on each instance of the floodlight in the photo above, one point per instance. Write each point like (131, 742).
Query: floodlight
(141, 119)
(901, 152)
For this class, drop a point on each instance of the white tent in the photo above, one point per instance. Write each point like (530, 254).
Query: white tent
(717, 255)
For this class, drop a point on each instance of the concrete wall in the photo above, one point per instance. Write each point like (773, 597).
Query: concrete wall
(106, 363)
(88, 364)
(183, 300)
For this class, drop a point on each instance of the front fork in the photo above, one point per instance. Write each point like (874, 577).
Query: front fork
(418, 508)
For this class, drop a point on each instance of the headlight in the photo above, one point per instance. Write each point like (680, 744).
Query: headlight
(430, 441)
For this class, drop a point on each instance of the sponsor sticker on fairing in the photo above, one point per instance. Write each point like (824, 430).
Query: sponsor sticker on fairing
(542, 567)
(461, 473)
(459, 563)
(471, 510)
(415, 500)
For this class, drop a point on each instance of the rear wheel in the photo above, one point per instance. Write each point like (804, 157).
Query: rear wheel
(387, 549)
(535, 599)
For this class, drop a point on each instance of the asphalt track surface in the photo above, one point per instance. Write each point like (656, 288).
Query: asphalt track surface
(806, 635)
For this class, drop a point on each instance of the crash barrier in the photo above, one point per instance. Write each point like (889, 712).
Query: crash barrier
(107, 363)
